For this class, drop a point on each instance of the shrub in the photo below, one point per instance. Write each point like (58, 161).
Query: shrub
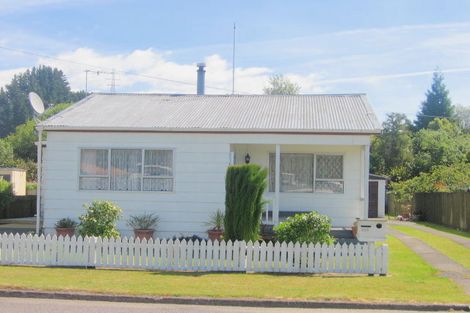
(143, 221)
(66, 223)
(305, 228)
(6, 194)
(100, 220)
(244, 188)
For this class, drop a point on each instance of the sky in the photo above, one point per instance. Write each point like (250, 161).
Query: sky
(386, 49)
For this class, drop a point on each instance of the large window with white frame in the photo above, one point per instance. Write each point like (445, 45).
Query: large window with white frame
(307, 173)
(126, 169)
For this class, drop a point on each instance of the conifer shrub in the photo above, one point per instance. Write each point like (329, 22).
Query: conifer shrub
(244, 203)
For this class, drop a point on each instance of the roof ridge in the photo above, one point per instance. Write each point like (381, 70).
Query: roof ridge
(223, 95)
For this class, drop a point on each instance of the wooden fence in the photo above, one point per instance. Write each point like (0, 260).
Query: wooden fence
(22, 206)
(176, 255)
(448, 209)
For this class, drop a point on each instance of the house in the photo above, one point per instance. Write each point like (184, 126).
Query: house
(17, 178)
(168, 154)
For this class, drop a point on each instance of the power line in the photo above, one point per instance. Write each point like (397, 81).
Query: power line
(111, 70)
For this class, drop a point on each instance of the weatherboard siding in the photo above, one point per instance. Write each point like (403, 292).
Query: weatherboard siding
(200, 162)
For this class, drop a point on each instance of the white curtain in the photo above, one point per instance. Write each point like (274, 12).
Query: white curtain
(94, 169)
(296, 172)
(158, 170)
(329, 174)
(126, 170)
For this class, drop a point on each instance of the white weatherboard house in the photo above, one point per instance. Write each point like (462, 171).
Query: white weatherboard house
(168, 154)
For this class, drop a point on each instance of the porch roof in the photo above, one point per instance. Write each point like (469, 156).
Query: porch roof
(345, 113)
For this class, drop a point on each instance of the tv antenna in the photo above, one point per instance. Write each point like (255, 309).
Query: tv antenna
(36, 103)
(233, 60)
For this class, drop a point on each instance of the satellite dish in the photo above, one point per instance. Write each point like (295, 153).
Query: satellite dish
(36, 102)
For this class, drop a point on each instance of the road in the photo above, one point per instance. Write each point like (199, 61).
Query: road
(26, 305)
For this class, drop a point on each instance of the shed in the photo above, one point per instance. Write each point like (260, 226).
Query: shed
(17, 177)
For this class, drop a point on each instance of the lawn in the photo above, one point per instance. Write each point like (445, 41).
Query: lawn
(453, 250)
(446, 229)
(410, 280)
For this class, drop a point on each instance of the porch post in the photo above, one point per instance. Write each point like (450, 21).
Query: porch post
(365, 185)
(277, 184)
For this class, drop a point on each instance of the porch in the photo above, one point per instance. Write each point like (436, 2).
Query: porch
(328, 178)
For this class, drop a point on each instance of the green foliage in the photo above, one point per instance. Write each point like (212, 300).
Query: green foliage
(6, 153)
(66, 223)
(6, 194)
(51, 85)
(392, 151)
(279, 85)
(442, 143)
(23, 139)
(305, 228)
(143, 221)
(437, 103)
(53, 110)
(440, 179)
(100, 220)
(31, 186)
(244, 188)
(462, 116)
(216, 220)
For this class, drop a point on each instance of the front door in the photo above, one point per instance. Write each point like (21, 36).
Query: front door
(373, 199)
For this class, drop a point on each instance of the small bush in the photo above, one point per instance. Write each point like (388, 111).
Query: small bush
(143, 221)
(100, 220)
(305, 228)
(6, 194)
(66, 223)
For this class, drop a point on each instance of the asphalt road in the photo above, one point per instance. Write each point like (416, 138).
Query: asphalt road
(25, 305)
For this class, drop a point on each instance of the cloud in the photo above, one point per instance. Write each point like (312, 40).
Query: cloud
(152, 71)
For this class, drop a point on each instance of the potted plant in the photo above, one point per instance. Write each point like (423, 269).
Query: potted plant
(65, 227)
(144, 225)
(216, 224)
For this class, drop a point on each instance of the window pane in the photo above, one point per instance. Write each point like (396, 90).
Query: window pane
(272, 171)
(158, 184)
(126, 170)
(94, 162)
(158, 163)
(329, 186)
(329, 167)
(94, 183)
(296, 173)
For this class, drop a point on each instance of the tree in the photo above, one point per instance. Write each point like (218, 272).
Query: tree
(442, 143)
(279, 85)
(6, 153)
(392, 150)
(437, 103)
(49, 83)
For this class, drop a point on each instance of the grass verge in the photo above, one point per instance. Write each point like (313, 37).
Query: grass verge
(453, 250)
(410, 280)
(445, 229)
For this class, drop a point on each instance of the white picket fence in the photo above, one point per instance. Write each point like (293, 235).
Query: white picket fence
(175, 255)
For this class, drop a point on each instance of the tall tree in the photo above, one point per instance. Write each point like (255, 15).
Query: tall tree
(392, 150)
(437, 103)
(49, 83)
(280, 85)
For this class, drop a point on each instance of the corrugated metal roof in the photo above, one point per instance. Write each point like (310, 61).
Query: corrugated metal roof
(349, 113)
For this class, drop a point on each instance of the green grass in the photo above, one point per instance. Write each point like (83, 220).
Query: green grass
(445, 229)
(410, 280)
(453, 250)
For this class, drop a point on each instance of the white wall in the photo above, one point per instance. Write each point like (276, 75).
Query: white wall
(200, 162)
(342, 208)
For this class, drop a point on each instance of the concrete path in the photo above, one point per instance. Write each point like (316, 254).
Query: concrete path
(17, 305)
(448, 268)
(458, 239)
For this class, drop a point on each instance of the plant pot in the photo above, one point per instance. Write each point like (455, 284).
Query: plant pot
(65, 232)
(144, 234)
(215, 234)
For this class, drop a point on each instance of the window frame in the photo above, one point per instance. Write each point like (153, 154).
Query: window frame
(314, 173)
(109, 149)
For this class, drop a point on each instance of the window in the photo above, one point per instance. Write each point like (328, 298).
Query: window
(329, 174)
(122, 170)
(307, 173)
